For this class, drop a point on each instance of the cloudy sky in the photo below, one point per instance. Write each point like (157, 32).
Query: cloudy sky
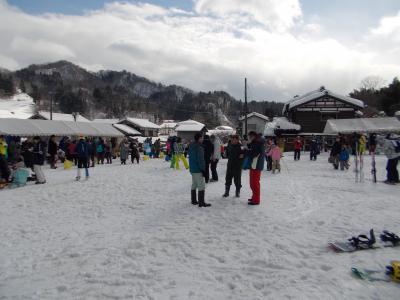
(283, 47)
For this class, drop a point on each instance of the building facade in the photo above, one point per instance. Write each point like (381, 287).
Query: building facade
(312, 110)
(255, 122)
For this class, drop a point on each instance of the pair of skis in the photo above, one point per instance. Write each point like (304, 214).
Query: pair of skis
(363, 242)
(359, 164)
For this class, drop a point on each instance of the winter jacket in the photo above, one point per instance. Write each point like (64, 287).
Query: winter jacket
(256, 151)
(82, 149)
(216, 155)
(123, 151)
(38, 153)
(208, 150)
(52, 149)
(100, 148)
(275, 153)
(234, 156)
(344, 155)
(72, 149)
(314, 146)
(3, 148)
(179, 148)
(298, 144)
(196, 158)
(336, 148)
(388, 148)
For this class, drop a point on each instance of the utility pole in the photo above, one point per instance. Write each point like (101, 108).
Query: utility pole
(245, 107)
(51, 105)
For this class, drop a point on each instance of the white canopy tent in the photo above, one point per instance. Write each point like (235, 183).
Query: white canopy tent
(24, 128)
(366, 125)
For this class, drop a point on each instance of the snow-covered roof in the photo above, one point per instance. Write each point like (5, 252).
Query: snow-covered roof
(142, 123)
(20, 105)
(127, 129)
(281, 123)
(367, 125)
(254, 114)
(321, 92)
(30, 127)
(108, 121)
(60, 116)
(223, 127)
(190, 125)
(168, 125)
(397, 113)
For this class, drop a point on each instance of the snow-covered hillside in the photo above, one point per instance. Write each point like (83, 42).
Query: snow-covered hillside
(20, 106)
(130, 232)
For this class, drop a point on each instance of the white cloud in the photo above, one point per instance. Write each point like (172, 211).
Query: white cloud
(280, 56)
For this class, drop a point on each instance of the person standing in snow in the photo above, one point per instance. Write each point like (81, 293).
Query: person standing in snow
(275, 154)
(123, 151)
(314, 149)
(83, 154)
(234, 168)
(100, 150)
(52, 150)
(4, 169)
(208, 152)
(297, 148)
(38, 159)
(362, 144)
(108, 151)
(372, 143)
(179, 150)
(215, 157)
(391, 148)
(197, 169)
(255, 153)
(344, 157)
(335, 152)
(134, 152)
(268, 157)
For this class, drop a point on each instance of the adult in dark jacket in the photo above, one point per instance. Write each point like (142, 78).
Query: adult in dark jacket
(197, 169)
(208, 152)
(234, 168)
(314, 149)
(39, 152)
(255, 152)
(82, 153)
(335, 152)
(52, 150)
(134, 152)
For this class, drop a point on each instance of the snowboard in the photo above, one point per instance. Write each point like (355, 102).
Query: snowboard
(347, 246)
(371, 275)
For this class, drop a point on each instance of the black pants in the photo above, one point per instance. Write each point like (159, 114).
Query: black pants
(234, 173)
(296, 154)
(268, 159)
(82, 162)
(392, 172)
(109, 157)
(4, 170)
(313, 155)
(213, 165)
(133, 157)
(207, 172)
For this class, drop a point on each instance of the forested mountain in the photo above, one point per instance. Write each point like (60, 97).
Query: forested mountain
(116, 94)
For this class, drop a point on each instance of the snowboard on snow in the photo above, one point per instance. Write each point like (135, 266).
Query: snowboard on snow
(363, 242)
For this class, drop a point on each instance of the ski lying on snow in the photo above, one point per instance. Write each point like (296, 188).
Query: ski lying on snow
(370, 275)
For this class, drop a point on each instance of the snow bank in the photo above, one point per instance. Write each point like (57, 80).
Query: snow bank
(20, 106)
(130, 232)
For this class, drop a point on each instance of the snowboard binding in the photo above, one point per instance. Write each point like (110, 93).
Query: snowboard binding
(391, 237)
(362, 241)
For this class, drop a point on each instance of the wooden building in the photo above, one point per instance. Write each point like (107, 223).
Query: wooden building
(312, 110)
(255, 122)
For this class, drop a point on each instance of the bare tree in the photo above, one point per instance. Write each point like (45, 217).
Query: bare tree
(372, 83)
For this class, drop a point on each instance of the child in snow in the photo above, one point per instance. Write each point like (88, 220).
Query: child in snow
(275, 154)
(19, 174)
(344, 158)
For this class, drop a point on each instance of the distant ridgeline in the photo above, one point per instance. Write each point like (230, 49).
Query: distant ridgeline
(115, 94)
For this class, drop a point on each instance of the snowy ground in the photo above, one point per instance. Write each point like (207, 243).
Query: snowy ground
(131, 233)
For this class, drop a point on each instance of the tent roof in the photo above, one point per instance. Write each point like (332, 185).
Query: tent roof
(142, 123)
(189, 125)
(108, 121)
(297, 101)
(19, 127)
(126, 129)
(61, 117)
(367, 125)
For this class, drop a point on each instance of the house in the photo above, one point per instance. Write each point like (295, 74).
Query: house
(168, 127)
(280, 126)
(45, 115)
(187, 129)
(144, 126)
(312, 110)
(255, 122)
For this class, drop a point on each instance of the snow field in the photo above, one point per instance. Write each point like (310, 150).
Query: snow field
(130, 232)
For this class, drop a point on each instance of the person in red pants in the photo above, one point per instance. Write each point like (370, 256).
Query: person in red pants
(255, 152)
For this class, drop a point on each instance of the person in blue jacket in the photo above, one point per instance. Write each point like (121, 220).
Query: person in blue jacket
(197, 167)
(83, 153)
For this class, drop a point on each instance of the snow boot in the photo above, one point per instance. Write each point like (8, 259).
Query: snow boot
(227, 188)
(194, 200)
(201, 200)
(237, 193)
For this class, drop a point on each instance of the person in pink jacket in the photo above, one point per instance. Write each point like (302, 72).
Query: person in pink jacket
(275, 154)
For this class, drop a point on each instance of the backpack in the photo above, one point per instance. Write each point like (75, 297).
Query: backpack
(99, 148)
